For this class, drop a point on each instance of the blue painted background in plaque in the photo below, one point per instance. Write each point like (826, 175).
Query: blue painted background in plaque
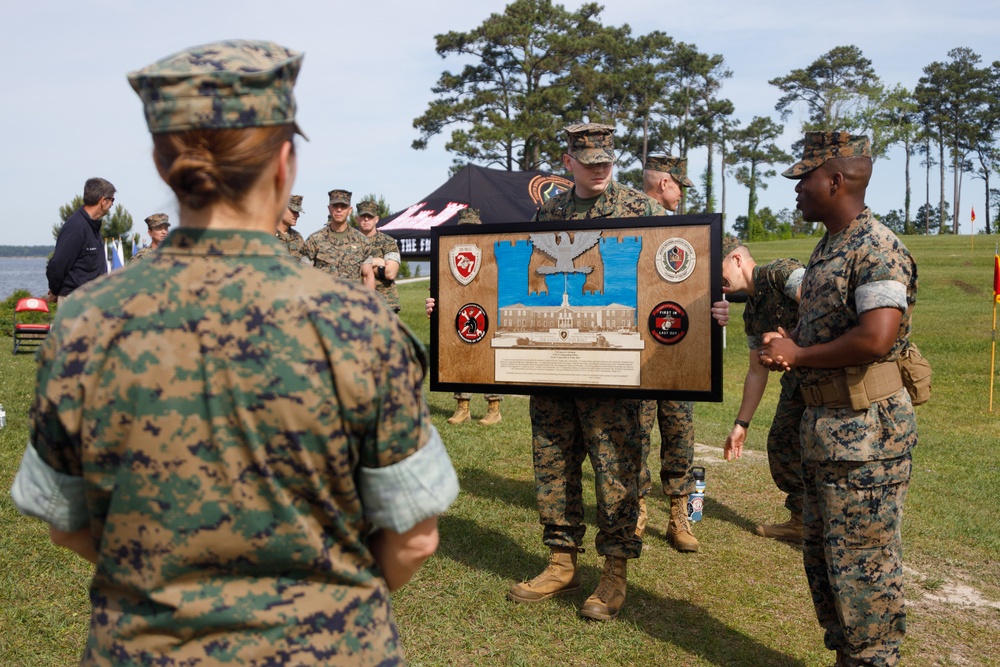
(621, 264)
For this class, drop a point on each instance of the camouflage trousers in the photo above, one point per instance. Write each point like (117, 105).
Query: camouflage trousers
(676, 420)
(565, 431)
(468, 397)
(853, 555)
(784, 446)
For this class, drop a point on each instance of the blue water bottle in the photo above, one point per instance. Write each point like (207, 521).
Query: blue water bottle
(696, 501)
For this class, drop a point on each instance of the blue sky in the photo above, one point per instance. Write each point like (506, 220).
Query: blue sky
(69, 112)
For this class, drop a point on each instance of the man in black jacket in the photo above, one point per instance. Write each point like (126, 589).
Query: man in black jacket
(80, 256)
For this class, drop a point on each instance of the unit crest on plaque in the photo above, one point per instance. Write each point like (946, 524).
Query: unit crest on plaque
(465, 261)
(675, 260)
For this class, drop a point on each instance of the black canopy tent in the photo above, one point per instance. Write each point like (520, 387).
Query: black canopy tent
(500, 196)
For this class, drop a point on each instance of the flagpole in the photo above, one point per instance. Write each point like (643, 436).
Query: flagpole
(993, 350)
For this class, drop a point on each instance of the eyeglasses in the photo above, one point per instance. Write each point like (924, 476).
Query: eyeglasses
(110, 199)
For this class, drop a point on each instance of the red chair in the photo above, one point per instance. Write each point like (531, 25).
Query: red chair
(31, 333)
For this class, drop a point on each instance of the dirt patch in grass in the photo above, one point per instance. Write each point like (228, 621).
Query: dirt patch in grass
(965, 287)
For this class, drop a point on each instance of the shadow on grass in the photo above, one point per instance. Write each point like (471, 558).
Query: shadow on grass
(667, 619)
(677, 622)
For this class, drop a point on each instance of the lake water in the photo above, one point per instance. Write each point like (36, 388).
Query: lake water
(23, 273)
(29, 273)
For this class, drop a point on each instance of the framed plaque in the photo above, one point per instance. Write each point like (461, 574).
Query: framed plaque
(617, 307)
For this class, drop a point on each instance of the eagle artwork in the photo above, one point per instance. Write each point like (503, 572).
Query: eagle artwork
(565, 251)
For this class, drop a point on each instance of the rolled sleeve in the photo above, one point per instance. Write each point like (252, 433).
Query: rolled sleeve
(401, 495)
(47, 494)
(880, 294)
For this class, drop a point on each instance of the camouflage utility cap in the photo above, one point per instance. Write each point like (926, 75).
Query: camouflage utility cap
(340, 197)
(225, 85)
(668, 164)
(158, 220)
(591, 143)
(295, 203)
(822, 146)
(368, 207)
(729, 244)
(469, 216)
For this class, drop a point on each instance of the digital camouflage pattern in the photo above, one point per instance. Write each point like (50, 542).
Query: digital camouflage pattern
(295, 204)
(676, 420)
(469, 216)
(142, 253)
(617, 201)
(339, 197)
(856, 463)
(340, 254)
(668, 164)
(157, 220)
(218, 399)
(368, 207)
(865, 252)
(773, 305)
(386, 247)
(459, 396)
(565, 431)
(822, 146)
(225, 85)
(293, 241)
(591, 143)
(854, 562)
(729, 244)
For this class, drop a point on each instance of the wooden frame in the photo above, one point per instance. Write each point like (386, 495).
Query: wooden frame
(616, 307)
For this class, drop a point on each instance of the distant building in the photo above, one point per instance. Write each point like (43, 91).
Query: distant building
(612, 317)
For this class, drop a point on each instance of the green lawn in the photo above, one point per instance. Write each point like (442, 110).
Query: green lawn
(740, 601)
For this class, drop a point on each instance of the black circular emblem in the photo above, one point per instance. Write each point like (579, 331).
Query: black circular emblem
(668, 323)
(472, 323)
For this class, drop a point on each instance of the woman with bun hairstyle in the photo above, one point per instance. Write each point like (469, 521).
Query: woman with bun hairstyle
(239, 442)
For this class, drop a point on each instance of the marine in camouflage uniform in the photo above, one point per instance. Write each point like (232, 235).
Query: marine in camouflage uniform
(856, 445)
(385, 250)
(227, 427)
(286, 232)
(338, 248)
(157, 226)
(665, 179)
(772, 301)
(567, 429)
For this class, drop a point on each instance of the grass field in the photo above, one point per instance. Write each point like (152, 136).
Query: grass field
(740, 601)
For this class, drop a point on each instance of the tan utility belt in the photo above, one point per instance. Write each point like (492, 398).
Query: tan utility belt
(857, 387)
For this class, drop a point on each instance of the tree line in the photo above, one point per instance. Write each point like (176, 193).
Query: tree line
(537, 67)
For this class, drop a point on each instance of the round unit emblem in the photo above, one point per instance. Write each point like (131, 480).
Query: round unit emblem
(668, 323)
(471, 323)
(675, 260)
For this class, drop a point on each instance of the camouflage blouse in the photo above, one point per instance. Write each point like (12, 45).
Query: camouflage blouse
(773, 304)
(387, 248)
(222, 403)
(862, 267)
(292, 240)
(338, 253)
(617, 201)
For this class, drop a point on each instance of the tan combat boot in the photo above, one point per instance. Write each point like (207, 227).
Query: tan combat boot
(561, 576)
(640, 524)
(679, 530)
(790, 531)
(461, 412)
(492, 414)
(609, 598)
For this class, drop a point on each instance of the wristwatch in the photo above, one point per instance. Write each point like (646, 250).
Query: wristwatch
(740, 422)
